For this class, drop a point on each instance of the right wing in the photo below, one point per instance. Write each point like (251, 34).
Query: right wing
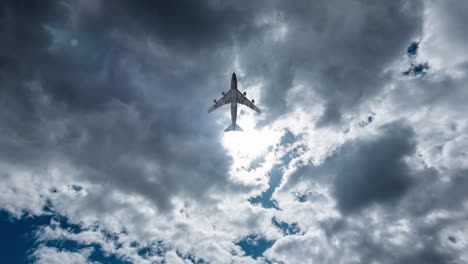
(241, 99)
(226, 99)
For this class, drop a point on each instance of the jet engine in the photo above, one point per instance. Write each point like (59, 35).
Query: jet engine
(253, 101)
(245, 93)
(223, 93)
(214, 101)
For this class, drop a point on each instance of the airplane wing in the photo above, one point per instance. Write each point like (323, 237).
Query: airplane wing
(226, 99)
(241, 99)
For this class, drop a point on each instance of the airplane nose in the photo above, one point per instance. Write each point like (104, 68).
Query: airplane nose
(233, 81)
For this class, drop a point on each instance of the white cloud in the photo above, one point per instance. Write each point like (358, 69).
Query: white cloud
(164, 175)
(52, 255)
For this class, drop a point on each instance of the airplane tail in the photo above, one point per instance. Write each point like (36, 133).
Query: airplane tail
(233, 128)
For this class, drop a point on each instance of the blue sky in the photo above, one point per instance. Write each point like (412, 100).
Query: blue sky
(108, 154)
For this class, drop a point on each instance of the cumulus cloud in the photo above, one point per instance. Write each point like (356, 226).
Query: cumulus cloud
(358, 156)
(49, 255)
(374, 170)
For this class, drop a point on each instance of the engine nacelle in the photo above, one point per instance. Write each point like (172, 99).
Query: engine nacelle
(214, 101)
(253, 101)
(245, 93)
(223, 93)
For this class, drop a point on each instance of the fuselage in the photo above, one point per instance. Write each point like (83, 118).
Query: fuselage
(234, 102)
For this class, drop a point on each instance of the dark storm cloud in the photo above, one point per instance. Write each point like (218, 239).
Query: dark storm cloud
(189, 26)
(94, 71)
(373, 170)
(425, 198)
(70, 74)
(367, 171)
(338, 50)
(88, 88)
(119, 90)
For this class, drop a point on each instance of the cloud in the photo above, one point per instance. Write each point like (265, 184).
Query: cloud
(339, 54)
(374, 170)
(103, 122)
(106, 129)
(50, 255)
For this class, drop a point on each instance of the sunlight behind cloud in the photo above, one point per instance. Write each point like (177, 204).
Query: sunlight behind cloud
(249, 144)
(253, 142)
(244, 147)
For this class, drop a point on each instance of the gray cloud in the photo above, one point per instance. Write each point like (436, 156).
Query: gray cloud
(118, 91)
(373, 170)
(95, 105)
(339, 53)
(366, 171)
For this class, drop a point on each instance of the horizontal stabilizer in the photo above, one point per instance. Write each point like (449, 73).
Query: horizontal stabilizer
(233, 127)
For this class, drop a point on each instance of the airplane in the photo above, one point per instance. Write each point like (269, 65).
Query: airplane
(234, 97)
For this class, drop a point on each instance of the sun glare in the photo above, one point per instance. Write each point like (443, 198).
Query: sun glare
(252, 143)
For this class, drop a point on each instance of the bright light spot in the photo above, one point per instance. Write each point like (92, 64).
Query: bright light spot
(251, 149)
(244, 147)
(74, 42)
(251, 143)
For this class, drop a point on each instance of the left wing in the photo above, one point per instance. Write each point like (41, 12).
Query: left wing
(226, 99)
(241, 99)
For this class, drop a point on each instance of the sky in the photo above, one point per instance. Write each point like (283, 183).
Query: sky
(108, 154)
